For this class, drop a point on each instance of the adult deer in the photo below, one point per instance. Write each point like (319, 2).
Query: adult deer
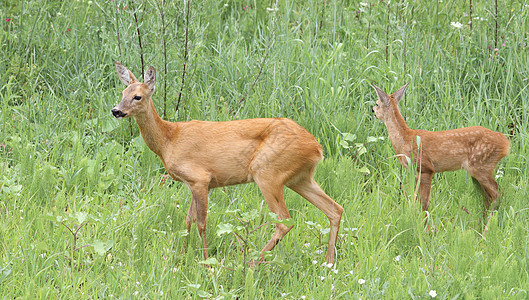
(475, 149)
(270, 152)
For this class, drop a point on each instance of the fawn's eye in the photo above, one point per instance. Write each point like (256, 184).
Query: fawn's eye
(138, 98)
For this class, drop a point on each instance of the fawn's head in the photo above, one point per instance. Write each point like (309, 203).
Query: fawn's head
(136, 97)
(387, 104)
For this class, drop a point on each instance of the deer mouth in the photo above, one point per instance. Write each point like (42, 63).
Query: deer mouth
(118, 114)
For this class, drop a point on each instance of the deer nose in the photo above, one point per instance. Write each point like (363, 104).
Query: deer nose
(118, 113)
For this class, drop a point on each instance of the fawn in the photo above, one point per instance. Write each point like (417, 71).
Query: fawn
(475, 149)
(270, 152)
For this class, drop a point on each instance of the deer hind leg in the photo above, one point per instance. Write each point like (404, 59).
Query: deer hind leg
(489, 186)
(191, 215)
(273, 194)
(310, 190)
(198, 211)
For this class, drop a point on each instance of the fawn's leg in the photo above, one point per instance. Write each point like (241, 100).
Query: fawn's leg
(490, 192)
(425, 186)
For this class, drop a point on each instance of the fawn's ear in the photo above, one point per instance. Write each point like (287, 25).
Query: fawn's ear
(124, 74)
(381, 95)
(398, 94)
(150, 78)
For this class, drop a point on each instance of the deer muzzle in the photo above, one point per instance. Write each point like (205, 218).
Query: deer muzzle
(118, 114)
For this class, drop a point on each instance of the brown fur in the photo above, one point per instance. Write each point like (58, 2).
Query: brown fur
(475, 149)
(205, 155)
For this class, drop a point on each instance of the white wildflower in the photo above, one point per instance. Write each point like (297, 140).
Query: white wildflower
(361, 281)
(397, 258)
(456, 25)
(314, 262)
(499, 174)
(432, 293)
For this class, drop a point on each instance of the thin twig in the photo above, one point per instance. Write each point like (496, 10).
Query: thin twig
(139, 38)
(117, 28)
(265, 224)
(164, 59)
(67, 228)
(496, 22)
(322, 14)
(387, 32)
(368, 26)
(79, 227)
(261, 67)
(470, 17)
(185, 57)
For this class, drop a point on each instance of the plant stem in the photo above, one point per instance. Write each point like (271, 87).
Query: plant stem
(185, 57)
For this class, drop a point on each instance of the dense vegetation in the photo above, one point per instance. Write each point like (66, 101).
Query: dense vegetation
(85, 209)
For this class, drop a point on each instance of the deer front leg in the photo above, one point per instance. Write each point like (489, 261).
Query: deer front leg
(198, 211)
(425, 184)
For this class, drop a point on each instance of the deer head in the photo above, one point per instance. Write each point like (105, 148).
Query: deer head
(386, 105)
(136, 97)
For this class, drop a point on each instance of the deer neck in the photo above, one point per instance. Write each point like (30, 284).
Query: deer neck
(400, 134)
(153, 130)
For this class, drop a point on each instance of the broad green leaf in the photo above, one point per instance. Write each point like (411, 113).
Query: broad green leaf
(344, 144)
(212, 261)
(349, 136)
(365, 170)
(361, 148)
(275, 219)
(232, 211)
(194, 286)
(80, 217)
(224, 229)
(61, 219)
(4, 273)
(203, 294)
(284, 266)
(183, 233)
(101, 247)
(251, 215)
(371, 139)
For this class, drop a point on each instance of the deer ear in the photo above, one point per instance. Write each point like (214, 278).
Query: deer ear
(400, 93)
(381, 95)
(150, 78)
(124, 74)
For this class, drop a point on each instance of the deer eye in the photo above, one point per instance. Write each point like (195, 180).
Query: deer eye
(138, 98)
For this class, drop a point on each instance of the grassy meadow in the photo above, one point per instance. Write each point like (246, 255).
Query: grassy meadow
(85, 208)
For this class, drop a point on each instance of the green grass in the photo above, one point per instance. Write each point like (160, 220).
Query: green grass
(62, 155)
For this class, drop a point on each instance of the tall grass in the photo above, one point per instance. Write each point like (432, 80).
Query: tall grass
(62, 155)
